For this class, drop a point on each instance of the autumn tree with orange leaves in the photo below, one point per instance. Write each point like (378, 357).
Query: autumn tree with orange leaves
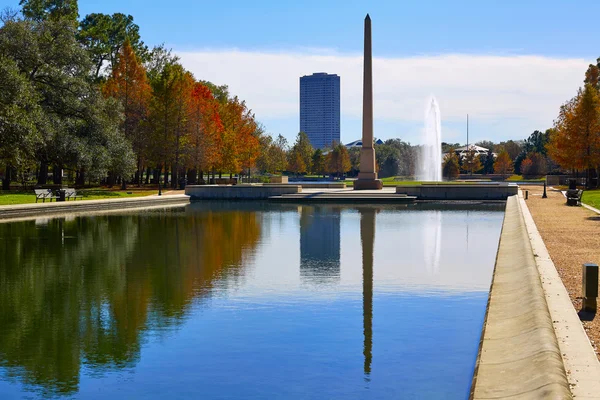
(98, 106)
(575, 142)
(240, 145)
(129, 85)
(206, 130)
(503, 164)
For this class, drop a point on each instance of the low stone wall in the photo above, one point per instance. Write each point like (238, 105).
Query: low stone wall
(519, 355)
(468, 191)
(563, 180)
(308, 185)
(24, 211)
(239, 192)
(336, 185)
(279, 179)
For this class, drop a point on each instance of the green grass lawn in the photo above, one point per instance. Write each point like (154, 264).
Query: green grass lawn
(391, 181)
(592, 198)
(521, 179)
(25, 197)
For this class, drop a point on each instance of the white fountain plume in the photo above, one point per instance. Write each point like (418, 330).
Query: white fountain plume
(430, 160)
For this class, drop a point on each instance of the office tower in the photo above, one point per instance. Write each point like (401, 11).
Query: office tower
(320, 108)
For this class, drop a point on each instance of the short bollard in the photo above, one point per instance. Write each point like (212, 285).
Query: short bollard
(526, 194)
(590, 287)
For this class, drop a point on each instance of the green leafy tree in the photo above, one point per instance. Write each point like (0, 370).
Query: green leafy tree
(304, 149)
(354, 160)
(76, 123)
(103, 36)
(536, 142)
(488, 162)
(278, 154)
(41, 10)
(447, 146)
(472, 162)
(486, 144)
(264, 162)
(592, 75)
(19, 116)
(338, 160)
(166, 116)
(395, 157)
(512, 147)
(296, 163)
(318, 162)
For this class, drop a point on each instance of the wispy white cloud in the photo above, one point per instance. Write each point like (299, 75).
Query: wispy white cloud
(491, 88)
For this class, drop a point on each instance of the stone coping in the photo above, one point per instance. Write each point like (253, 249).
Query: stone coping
(581, 363)
(519, 356)
(239, 192)
(32, 210)
(309, 185)
(461, 184)
(469, 191)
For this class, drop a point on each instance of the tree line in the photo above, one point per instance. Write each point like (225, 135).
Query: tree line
(393, 157)
(574, 142)
(89, 97)
(571, 146)
(528, 157)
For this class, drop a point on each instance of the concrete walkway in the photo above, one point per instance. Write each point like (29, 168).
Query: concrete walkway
(581, 364)
(519, 357)
(34, 210)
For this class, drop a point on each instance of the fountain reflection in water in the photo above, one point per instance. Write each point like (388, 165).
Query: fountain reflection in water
(430, 157)
(432, 241)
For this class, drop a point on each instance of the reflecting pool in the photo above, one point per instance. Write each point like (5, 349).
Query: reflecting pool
(246, 301)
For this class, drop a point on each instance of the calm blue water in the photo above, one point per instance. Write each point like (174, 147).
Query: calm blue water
(246, 301)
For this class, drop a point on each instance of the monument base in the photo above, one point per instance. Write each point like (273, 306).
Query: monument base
(368, 184)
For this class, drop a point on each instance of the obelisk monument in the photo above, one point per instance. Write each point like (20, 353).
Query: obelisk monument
(367, 177)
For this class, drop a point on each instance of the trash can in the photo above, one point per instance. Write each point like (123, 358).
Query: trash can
(182, 183)
(62, 195)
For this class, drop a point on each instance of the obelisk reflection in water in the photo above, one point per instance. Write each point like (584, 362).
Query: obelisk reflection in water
(367, 238)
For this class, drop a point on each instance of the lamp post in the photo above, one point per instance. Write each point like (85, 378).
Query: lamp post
(544, 196)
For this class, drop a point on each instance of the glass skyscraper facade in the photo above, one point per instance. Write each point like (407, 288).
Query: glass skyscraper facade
(320, 108)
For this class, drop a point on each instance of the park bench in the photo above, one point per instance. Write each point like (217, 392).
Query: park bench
(574, 194)
(72, 194)
(44, 194)
(574, 197)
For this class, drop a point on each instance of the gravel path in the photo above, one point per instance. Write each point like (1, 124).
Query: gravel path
(572, 236)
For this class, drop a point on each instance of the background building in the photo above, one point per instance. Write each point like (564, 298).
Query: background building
(320, 108)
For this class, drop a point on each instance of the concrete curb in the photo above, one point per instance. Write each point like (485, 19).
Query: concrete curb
(519, 356)
(591, 208)
(26, 211)
(581, 363)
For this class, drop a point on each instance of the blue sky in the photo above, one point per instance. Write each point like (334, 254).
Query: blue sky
(509, 64)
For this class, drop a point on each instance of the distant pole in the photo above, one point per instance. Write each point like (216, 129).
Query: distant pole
(467, 132)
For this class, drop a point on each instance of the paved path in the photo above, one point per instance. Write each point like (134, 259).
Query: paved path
(572, 237)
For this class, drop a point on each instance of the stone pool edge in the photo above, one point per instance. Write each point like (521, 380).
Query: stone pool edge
(36, 210)
(579, 358)
(519, 355)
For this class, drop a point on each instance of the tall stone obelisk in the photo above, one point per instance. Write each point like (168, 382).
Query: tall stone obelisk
(367, 177)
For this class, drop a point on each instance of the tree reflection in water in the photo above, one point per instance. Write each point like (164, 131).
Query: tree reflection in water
(85, 290)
